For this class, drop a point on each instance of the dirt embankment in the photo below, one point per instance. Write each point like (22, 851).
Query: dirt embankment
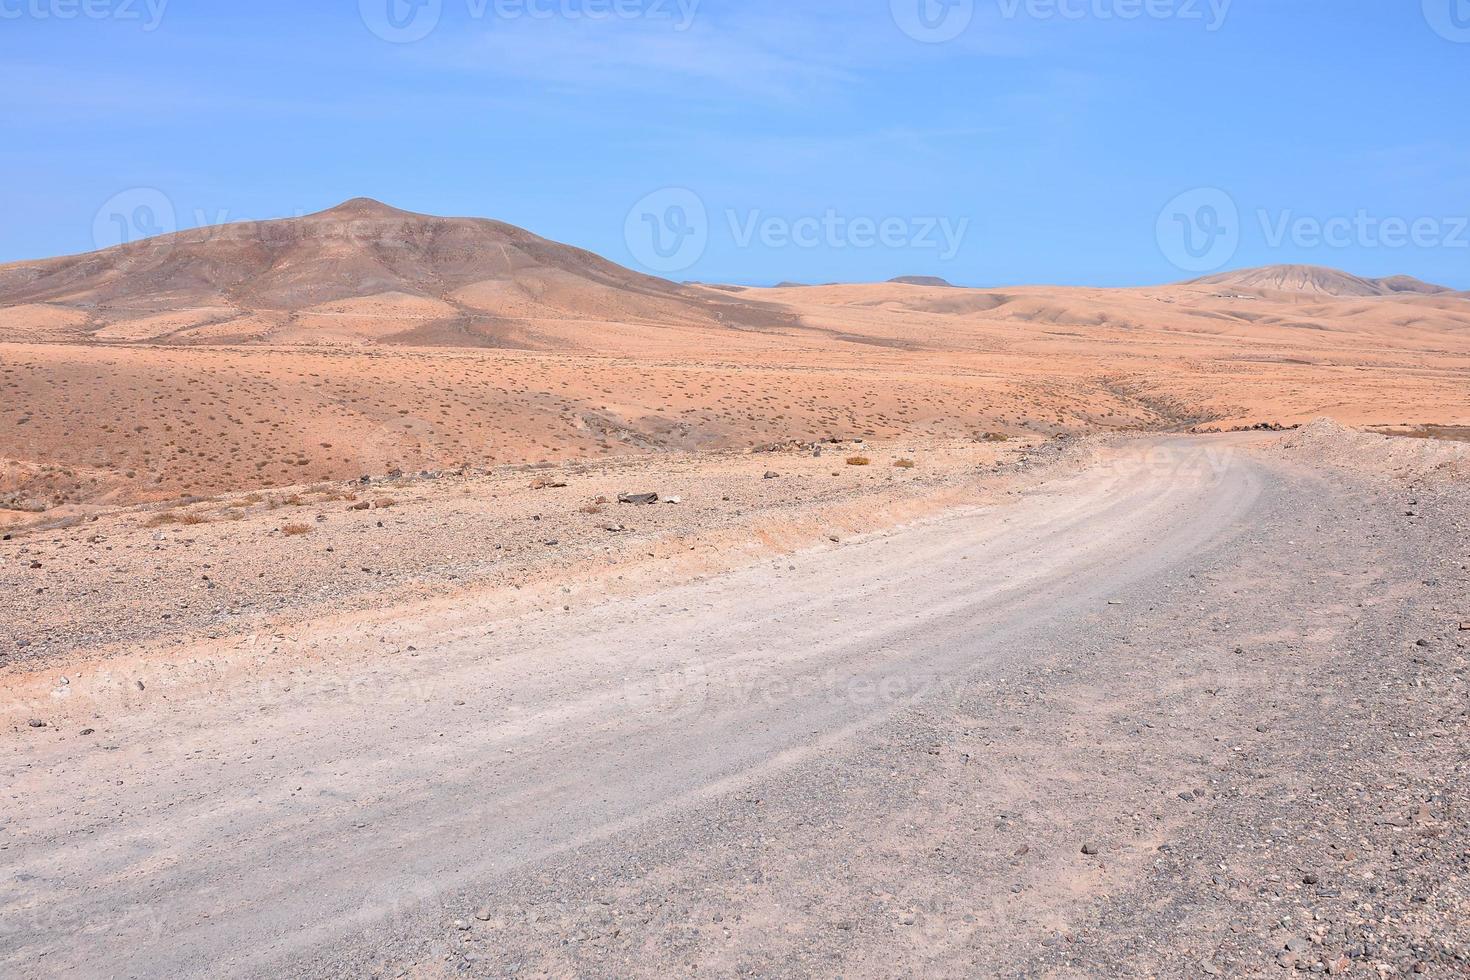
(158, 576)
(1414, 459)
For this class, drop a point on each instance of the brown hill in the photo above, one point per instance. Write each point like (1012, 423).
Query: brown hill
(1408, 284)
(921, 281)
(1315, 280)
(361, 271)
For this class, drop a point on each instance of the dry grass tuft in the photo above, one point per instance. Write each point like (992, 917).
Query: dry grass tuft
(858, 461)
(163, 519)
(904, 464)
(296, 530)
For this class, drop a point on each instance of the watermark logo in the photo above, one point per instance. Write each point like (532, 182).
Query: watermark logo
(933, 21)
(133, 215)
(401, 21)
(668, 231)
(147, 12)
(1449, 18)
(36, 924)
(678, 688)
(402, 444)
(1199, 231)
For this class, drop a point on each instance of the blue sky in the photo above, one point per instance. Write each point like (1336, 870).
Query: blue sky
(1107, 142)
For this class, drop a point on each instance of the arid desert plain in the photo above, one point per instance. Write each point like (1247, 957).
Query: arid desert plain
(393, 595)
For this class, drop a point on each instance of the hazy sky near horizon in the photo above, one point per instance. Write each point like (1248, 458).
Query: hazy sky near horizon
(1106, 142)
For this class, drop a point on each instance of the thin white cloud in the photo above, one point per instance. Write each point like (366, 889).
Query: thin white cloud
(786, 55)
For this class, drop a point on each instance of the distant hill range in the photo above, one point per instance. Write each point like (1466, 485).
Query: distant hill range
(343, 343)
(922, 281)
(364, 272)
(899, 280)
(1319, 280)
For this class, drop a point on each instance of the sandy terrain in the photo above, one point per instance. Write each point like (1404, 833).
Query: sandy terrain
(366, 339)
(143, 579)
(1125, 708)
(389, 595)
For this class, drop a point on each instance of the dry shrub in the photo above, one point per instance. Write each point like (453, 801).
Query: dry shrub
(163, 519)
(296, 530)
(904, 464)
(997, 437)
(858, 461)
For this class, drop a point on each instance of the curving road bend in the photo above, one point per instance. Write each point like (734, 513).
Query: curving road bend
(357, 827)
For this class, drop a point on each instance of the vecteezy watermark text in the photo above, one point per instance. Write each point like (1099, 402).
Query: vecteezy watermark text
(1202, 229)
(687, 687)
(406, 21)
(1210, 13)
(670, 230)
(147, 213)
(937, 21)
(1363, 229)
(667, 231)
(147, 12)
(833, 230)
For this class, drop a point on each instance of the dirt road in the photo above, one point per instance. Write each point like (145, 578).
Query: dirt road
(1196, 658)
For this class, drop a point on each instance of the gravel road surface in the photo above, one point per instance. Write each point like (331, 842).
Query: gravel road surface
(1196, 709)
